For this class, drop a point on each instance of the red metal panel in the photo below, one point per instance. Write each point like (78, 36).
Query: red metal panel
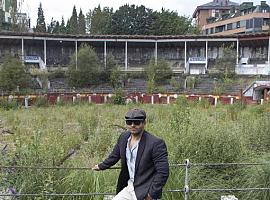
(225, 100)
(192, 98)
(163, 100)
(147, 98)
(156, 99)
(98, 98)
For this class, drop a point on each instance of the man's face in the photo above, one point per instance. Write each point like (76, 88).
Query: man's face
(135, 127)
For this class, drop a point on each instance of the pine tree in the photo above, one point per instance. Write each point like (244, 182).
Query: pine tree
(41, 26)
(81, 23)
(100, 20)
(68, 27)
(57, 28)
(62, 28)
(74, 22)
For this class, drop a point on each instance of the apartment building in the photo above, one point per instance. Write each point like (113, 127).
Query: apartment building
(5, 9)
(248, 18)
(212, 10)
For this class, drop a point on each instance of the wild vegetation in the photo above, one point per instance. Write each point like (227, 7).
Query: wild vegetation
(44, 136)
(14, 75)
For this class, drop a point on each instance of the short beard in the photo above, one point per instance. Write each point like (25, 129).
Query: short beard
(137, 133)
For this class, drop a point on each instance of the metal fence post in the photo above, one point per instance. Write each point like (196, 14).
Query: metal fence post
(186, 187)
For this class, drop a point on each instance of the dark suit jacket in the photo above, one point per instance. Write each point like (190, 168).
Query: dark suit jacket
(151, 167)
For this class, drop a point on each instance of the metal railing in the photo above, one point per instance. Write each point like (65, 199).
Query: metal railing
(187, 165)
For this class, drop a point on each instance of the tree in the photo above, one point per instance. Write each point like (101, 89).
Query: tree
(112, 72)
(74, 22)
(157, 74)
(14, 74)
(226, 63)
(81, 23)
(121, 21)
(53, 27)
(68, 27)
(132, 20)
(62, 28)
(88, 68)
(57, 28)
(99, 21)
(169, 22)
(41, 26)
(143, 20)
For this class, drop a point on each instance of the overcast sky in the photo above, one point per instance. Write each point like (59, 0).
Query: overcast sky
(59, 8)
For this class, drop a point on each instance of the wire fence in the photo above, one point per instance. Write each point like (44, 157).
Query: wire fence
(187, 165)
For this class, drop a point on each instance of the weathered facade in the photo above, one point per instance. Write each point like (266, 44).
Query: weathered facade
(248, 19)
(185, 54)
(212, 10)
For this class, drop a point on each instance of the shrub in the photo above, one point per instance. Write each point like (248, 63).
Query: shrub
(191, 81)
(41, 101)
(9, 105)
(118, 98)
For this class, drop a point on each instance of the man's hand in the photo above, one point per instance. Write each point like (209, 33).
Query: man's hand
(96, 168)
(148, 197)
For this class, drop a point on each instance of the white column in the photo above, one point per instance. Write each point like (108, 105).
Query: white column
(136, 99)
(76, 53)
(215, 102)
(58, 99)
(269, 52)
(231, 102)
(156, 52)
(26, 102)
(45, 52)
(152, 99)
(185, 55)
(73, 99)
(206, 54)
(237, 51)
(105, 54)
(168, 99)
(89, 99)
(126, 56)
(105, 99)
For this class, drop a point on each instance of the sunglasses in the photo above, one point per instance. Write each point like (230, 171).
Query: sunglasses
(135, 122)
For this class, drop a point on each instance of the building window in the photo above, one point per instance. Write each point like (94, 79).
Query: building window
(238, 24)
(213, 13)
(211, 30)
(249, 23)
(258, 22)
(220, 29)
(229, 26)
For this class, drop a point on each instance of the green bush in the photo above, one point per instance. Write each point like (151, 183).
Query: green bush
(41, 101)
(9, 105)
(118, 97)
(191, 81)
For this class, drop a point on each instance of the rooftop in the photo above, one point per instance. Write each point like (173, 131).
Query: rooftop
(217, 4)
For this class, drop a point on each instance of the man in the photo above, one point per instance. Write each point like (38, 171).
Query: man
(144, 161)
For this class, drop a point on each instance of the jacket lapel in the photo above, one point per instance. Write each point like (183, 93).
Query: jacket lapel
(140, 151)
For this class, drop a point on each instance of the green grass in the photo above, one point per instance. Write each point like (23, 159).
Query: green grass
(45, 135)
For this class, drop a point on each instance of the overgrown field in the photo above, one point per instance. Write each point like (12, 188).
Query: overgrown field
(201, 133)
